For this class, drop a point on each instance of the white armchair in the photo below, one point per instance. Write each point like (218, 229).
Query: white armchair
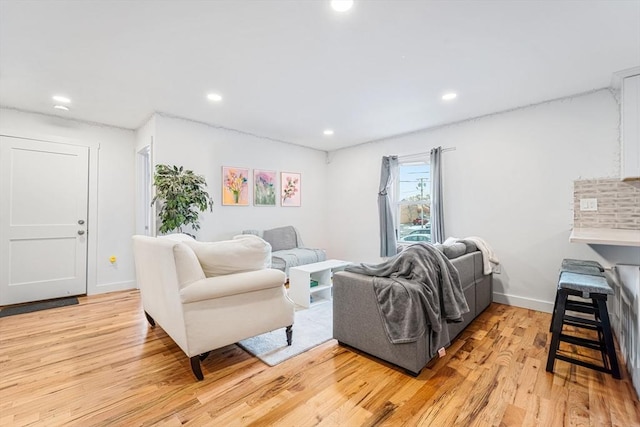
(203, 313)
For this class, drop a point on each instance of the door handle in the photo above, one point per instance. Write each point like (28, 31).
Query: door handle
(81, 221)
(81, 232)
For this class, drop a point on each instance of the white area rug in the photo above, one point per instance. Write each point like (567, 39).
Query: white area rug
(311, 328)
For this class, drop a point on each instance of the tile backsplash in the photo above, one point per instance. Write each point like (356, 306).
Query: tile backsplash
(618, 204)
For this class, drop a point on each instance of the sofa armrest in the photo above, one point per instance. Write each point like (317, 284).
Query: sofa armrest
(232, 284)
(358, 323)
(356, 318)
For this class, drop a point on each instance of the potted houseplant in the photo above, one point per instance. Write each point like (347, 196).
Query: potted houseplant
(182, 197)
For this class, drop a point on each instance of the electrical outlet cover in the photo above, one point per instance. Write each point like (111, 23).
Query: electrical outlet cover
(588, 204)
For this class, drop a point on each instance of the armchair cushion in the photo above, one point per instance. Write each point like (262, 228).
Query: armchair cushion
(188, 267)
(232, 284)
(178, 237)
(242, 253)
(282, 238)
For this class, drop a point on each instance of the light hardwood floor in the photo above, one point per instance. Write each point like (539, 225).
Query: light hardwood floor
(99, 363)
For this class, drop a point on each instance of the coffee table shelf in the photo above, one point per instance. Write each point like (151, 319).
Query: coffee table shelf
(300, 290)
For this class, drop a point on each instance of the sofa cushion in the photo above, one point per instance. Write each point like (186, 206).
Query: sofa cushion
(284, 260)
(281, 238)
(471, 246)
(243, 253)
(454, 250)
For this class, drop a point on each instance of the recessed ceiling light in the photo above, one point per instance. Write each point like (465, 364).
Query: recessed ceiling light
(328, 132)
(341, 5)
(214, 97)
(60, 98)
(449, 96)
(61, 107)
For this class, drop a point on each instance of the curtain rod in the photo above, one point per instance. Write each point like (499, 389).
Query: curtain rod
(426, 153)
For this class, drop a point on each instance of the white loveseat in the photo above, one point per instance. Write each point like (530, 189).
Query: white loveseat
(237, 298)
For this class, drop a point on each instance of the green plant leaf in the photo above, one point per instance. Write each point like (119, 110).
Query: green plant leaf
(181, 196)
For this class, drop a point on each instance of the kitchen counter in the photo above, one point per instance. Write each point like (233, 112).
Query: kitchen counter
(605, 236)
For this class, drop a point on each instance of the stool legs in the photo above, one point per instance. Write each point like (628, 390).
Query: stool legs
(556, 327)
(553, 313)
(601, 325)
(608, 339)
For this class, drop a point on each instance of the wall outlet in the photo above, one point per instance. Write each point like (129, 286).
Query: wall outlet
(588, 204)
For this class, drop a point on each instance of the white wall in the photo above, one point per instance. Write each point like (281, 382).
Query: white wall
(145, 134)
(115, 194)
(509, 181)
(205, 149)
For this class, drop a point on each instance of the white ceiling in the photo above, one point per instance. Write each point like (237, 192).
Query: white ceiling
(290, 69)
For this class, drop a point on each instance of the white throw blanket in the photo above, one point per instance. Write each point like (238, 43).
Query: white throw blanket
(489, 259)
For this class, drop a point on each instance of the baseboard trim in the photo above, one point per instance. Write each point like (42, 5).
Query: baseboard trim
(104, 288)
(530, 303)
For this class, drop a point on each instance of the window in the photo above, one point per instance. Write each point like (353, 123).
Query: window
(413, 201)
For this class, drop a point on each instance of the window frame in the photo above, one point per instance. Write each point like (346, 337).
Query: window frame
(422, 159)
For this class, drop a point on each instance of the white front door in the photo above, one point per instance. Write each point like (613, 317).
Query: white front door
(43, 220)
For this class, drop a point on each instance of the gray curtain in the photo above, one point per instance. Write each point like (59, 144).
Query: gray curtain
(437, 215)
(387, 228)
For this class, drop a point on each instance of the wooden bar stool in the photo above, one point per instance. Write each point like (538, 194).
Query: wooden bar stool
(586, 286)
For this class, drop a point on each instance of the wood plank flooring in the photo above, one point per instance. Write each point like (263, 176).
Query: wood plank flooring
(99, 364)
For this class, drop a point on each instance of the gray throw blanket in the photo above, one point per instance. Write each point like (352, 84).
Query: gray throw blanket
(416, 289)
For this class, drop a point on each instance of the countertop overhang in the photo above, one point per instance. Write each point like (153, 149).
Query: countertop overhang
(605, 236)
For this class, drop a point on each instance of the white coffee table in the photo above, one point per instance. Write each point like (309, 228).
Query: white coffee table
(300, 289)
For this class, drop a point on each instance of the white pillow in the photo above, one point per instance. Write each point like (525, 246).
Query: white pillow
(187, 264)
(243, 253)
(264, 246)
(178, 237)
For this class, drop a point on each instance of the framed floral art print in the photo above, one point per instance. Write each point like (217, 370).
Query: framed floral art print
(290, 189)
(264, 188)
(235, 186)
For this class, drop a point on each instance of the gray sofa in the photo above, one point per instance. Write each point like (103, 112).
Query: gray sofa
(357, 321)
(287, 249)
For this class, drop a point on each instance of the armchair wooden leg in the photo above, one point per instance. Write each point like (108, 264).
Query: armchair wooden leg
(195, 367)
(204, 355)
(289, 332)
(150, 320)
